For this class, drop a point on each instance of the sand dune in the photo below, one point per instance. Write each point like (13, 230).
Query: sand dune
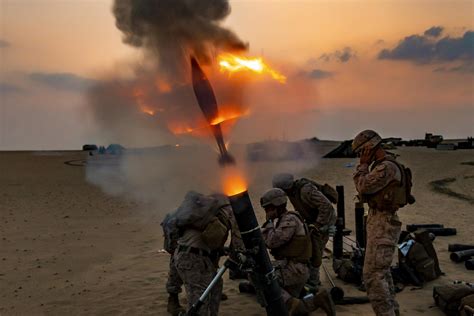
(69, 248)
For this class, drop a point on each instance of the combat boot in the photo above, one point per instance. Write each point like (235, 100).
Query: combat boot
(173, 305)
(323, 300)
(296, 307)
(314, 280)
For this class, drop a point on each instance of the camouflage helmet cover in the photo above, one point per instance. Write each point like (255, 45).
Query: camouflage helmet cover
(366, 139)
(275, 197)
(283, 181)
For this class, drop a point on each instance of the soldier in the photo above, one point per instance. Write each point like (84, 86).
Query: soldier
(378, 180)
(316, 210)
(173, 287)
(197, 254)
(174, 283)
(287, 237)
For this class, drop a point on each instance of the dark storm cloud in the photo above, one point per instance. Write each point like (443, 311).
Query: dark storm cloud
(434, 31)
(4, 44)
(342, 56)
(320, 74)
(425, 49)
(6, 88)
(63, 81)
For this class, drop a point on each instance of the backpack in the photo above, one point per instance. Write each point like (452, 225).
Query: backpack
(328, 191)
(171, 233)
(448, 297)
(405, 197)
(196, 211)
(421, 257)
(350, 270)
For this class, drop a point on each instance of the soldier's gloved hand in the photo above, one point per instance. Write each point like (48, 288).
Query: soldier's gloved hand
(323, 229)
(268, 224)
(331, 230)
(366, 156)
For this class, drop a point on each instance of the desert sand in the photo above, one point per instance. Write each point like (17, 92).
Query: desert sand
(67, 247)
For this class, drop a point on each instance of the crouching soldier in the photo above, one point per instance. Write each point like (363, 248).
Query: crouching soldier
(313, 202)
(199, 247)
(287, 237)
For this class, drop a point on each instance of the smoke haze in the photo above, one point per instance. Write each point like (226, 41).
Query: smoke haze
(155, 105)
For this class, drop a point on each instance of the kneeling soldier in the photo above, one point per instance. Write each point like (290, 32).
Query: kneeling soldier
(287, 237)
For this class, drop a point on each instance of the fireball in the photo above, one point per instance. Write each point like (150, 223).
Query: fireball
(233, 63)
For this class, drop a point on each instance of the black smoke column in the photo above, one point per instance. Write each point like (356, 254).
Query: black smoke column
(253, 240)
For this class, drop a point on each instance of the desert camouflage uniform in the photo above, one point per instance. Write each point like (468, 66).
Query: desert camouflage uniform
(174, 283)
(383, 231)
(317, 210)
(291, 275)
(198, 269)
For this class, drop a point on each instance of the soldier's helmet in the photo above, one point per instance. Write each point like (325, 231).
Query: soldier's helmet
(275, 197)
(283, 181)
(366, 139)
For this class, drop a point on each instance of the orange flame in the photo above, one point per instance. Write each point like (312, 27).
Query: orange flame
(180, 129)
(233, 181)
(233, 63)
(163, 86)
(227, 113)
(139, 95)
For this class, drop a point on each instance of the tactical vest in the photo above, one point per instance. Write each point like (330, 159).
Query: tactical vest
(394, 195)
(297, 249)
(216, 232)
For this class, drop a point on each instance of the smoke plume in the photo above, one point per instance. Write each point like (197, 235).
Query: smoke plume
(146, 106)
(173, 30)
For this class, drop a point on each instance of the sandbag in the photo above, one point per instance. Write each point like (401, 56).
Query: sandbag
(448, 297)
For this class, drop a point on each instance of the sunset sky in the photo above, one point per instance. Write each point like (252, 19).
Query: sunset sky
(401, 67)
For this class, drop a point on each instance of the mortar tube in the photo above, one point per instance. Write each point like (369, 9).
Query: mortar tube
(338, 248)
(469, 264)
(459, 247)
(256, 248)
(461, 256)
(359, 222)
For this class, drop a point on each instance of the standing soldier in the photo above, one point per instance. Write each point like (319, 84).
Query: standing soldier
(199, 247)
(318, 212)
(385, 185)
(287, 237)
(174, 283)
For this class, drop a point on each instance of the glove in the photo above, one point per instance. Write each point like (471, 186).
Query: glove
(332, 230)
(328, 230)
(268, 224)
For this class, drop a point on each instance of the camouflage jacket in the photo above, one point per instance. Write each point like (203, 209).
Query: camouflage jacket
(370, 182)
(313, 205)
(280, 233)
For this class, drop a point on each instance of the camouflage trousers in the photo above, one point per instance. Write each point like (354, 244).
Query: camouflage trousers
(318, 241)
(174, 282)
(383, 231)
(197, 272)
(291, 276)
